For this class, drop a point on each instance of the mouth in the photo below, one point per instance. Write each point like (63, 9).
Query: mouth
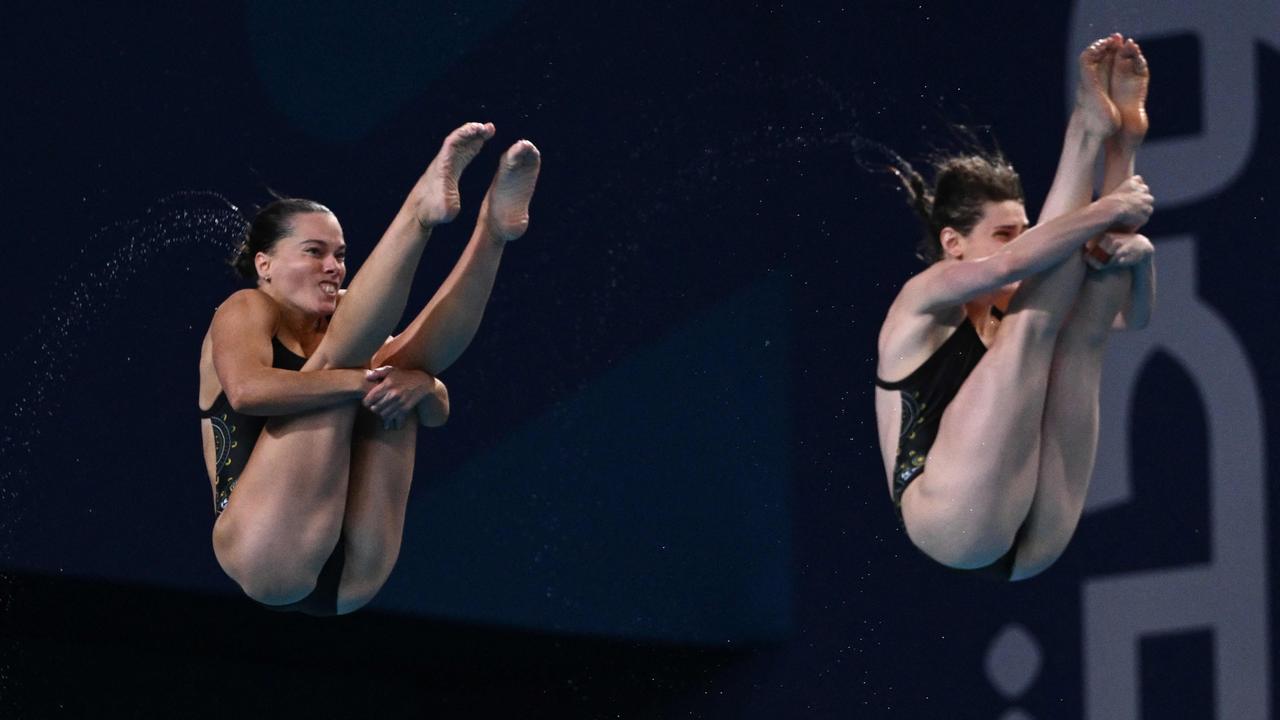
(330, 289)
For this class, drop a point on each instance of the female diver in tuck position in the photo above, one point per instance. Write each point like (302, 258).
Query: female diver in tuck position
(310, 487)
(990, 359)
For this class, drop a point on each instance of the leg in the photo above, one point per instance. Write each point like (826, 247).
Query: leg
(1094, 119)
(382, 460)
(1070, 429)
(967, 507)
(283, 519)
(445, 327)
(377, 497)
(378, 293)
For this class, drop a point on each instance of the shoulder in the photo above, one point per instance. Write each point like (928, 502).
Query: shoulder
(912, 330)
(249, 300)
(249, 307)
(916, 297)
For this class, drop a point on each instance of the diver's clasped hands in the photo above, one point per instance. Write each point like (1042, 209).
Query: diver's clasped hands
(399, 394)
(1131, 204)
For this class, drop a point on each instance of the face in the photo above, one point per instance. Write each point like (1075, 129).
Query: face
(307, 266)
(1001, 222)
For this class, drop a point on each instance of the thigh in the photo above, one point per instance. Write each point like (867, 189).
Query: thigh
(1070, 427)
(980, 476)
(382, 464)
(283, 519)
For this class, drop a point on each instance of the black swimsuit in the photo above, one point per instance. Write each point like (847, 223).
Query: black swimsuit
(925, 395)
(234, 435)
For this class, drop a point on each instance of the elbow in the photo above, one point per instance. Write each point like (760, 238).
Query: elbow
(241, 398)
(433, 411)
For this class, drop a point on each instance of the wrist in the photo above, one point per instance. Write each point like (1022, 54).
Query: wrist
(1104, 212)
(357, 384)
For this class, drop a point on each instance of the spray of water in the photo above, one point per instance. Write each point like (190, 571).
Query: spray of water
(200, 225)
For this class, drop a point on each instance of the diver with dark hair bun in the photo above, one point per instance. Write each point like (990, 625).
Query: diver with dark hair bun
(990, 359)
(310, 412)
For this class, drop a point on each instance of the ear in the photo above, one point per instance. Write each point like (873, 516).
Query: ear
(262, 262)
(950, 240)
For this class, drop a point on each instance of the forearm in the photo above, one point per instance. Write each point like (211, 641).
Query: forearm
(1045, 245)
(1072, 186)
(1138, 307)
(270, 392)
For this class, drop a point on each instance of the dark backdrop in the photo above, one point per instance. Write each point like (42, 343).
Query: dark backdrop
(660, 493)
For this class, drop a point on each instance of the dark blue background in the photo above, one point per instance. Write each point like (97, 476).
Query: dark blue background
(660, 493)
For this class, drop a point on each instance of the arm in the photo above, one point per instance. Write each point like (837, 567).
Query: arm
(952, 283)
(241, 332)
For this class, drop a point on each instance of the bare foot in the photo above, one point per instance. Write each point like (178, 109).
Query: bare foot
(435, 199)
(1093, 97)
(505, 212)
(1130, 78)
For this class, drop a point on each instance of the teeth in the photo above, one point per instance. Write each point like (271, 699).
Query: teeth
(329, 288)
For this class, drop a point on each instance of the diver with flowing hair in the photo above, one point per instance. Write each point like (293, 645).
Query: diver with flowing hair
(310, 412)
(990, 359)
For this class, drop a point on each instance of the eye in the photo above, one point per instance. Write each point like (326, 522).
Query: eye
(314, 252)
